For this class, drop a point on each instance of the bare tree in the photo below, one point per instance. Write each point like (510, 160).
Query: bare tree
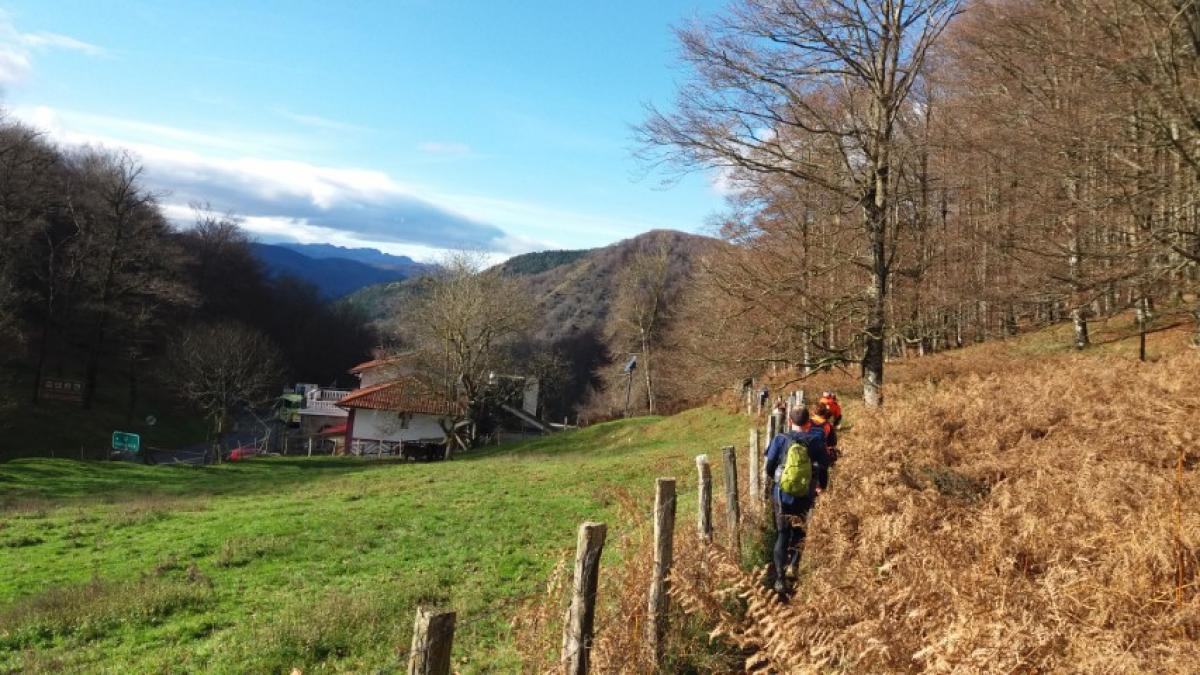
(643, 304)
(220, 367)
(462, 323)
(129, 263)
(811, 90)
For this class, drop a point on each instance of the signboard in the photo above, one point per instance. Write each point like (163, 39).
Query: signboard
(61, 390)
(126, 441)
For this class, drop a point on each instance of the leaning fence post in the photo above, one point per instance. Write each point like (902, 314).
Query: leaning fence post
(664, 536)
(755, 480)
(581, 615)
(704, 512)
(433, 635)
(733, 513)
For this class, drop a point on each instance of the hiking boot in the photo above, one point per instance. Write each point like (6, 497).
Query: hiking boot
(780, 587)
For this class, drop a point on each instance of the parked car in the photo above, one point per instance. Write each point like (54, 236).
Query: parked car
(243, 452)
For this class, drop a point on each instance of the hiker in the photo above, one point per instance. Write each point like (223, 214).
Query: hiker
(822, 418)
(794, 458)
(829, 399)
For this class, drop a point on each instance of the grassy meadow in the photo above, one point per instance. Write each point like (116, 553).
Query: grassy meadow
(319, 563)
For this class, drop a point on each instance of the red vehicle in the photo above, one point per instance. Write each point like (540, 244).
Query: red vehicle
(244, 452)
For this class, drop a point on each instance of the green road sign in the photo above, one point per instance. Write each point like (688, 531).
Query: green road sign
(126, 441)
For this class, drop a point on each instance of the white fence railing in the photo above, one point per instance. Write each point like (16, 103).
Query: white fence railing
(324, 402)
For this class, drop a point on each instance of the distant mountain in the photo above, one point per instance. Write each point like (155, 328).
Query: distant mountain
(333, 277)
(367, 256)
(574, 290)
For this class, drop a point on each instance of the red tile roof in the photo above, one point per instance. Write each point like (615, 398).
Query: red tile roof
(373, 363)
(403, 395)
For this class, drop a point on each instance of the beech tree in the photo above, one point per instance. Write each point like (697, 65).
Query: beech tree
(463, 323)
(811, 90)
(222, 366)
(642, 306)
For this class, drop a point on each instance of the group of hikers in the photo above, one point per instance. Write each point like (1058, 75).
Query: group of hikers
(798, 459)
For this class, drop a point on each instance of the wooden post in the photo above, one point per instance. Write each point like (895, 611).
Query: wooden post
(581, 616)
(754, 464)
(433, 635)
(310, 444)
(664, 536)
(704, 513)
(733, 513)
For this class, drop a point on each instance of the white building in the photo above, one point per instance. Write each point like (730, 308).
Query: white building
(320, 410)
(389, 410)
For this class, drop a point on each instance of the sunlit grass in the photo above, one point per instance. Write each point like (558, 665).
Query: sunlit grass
(319, 564)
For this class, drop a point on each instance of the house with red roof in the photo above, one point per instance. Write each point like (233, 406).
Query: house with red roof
(393, 408)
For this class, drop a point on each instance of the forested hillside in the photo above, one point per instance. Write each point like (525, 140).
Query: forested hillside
(587, 310)
(99, 293)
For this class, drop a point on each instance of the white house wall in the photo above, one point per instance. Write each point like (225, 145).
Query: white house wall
(384, 425)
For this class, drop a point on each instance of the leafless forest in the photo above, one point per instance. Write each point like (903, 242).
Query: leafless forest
(909, 177)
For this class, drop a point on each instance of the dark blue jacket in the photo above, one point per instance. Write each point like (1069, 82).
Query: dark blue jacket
(814, 440)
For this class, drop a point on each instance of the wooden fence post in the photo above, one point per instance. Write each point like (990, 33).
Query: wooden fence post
(581, 615)
(664, 537)
(733, 513)
(754, 464)
(310, 444)
(433, 635)
(704, 512)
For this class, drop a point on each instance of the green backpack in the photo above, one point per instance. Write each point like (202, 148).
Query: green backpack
(797, 475)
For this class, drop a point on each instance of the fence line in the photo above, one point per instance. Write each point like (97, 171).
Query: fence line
(433, 631)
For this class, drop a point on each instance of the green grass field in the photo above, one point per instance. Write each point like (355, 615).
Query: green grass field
(315, 563)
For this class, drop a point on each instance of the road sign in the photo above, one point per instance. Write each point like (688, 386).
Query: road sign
(61, 390)
(126, 441)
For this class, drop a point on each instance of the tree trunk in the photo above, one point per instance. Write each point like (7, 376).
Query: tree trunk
(133, 390)
(873, 354)
(1079, 324)
(649, 379)
(43, 350)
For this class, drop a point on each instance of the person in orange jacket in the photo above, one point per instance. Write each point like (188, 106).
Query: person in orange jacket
(822, 418)
(829, 400)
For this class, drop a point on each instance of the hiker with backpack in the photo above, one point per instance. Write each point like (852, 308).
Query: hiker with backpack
(822, 418)
(794, 458)
(830, 400)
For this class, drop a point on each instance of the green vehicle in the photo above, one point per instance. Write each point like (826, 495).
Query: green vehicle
(287, 409)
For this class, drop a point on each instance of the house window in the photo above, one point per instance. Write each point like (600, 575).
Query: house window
(404, 419)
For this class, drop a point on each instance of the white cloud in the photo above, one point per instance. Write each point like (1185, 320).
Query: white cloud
(46, 40)
(725, 183)
(17, 49)
(348, 206)
(284, 197)
(450, 149)
(318, 122)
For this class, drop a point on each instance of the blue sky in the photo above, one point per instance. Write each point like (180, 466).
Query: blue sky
(410, 125)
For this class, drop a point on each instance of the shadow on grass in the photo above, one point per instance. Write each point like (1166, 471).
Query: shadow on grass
(59, 479)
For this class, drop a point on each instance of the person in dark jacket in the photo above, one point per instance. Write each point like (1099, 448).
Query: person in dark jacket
(791, 511)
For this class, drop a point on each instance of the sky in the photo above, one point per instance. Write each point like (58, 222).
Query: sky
(413, 126)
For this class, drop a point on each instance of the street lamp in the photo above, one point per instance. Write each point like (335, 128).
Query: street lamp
(629, 368)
